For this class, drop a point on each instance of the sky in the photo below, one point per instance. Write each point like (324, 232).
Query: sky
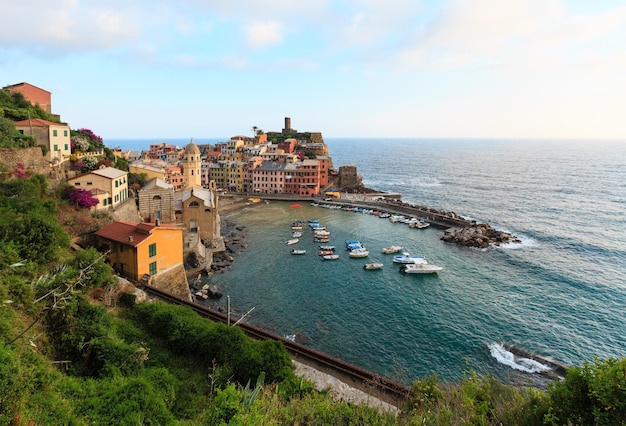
(346, 68)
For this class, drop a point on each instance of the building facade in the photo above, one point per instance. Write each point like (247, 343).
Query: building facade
(109, 185)
(54, 136)
(137, 249)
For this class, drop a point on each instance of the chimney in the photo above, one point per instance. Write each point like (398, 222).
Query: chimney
(130, 239)
(157, 222)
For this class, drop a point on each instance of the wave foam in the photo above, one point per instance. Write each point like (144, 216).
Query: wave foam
(507, 358)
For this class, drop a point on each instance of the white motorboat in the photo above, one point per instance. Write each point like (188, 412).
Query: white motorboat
(296, 234)
(421, 268)
(296, 251)
(391, 249)
(370, 266)
(330, 257)
(327, 247)
(406, 258)
(359, 253)
(292, 241)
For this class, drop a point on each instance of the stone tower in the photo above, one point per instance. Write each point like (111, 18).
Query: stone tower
(192, 165)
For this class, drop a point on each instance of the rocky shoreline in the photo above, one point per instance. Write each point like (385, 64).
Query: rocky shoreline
(480, 236)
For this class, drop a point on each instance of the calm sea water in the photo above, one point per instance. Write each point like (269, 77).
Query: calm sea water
(561, 293)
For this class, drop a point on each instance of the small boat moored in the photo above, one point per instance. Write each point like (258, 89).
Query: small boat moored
(421, 268)
(359, 253)
(391, 249)
(292, 241)
(330, 257)
(407, 258)
(296, 251)
(372, 266)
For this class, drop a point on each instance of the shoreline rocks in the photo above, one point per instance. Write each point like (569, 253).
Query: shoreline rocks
(480, 235)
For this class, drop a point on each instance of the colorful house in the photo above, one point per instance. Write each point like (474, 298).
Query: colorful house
(109, 185)
(138, 249)
(54, 136)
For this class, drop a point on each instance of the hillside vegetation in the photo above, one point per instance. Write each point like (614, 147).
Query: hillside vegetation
(75, 350)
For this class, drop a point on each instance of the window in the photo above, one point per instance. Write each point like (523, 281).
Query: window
(117, 184)
(194, 204)
(65, 134)
(66, 148)
(153, 268)
(89, 183)
(56, 147)
(152, 250)
(54, 133)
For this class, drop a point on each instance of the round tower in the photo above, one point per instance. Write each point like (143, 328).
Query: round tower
(192, 165)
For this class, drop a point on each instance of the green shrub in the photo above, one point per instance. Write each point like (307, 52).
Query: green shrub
(594, 394)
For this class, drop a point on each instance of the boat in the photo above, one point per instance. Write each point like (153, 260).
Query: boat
(331, 248)
(330, 257)
(294, 206)
(407, 258)
(419, 224)
(359, 253)
(324, 252)
(296, 234)
(391, 249)
(295, 251)
(254, 200)
(292, 241)
(371, 266)
(314, 220)
(322, 233)
(296, 227)
(420, 268)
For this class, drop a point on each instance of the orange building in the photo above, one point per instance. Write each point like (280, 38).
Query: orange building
(137, 249)
(33, 94)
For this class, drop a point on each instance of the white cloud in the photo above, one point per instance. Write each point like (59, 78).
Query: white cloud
(40, 25)
(524, 32)
(263, 34)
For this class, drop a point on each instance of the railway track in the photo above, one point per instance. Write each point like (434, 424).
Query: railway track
(381, 387)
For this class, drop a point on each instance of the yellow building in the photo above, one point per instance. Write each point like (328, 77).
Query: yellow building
(54, 136)
(137, 249)
(152, 170)
(109, 185)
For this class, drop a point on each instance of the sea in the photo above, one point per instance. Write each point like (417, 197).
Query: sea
(560, 293)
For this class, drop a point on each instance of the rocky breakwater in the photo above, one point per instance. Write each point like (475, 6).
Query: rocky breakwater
(479, 235)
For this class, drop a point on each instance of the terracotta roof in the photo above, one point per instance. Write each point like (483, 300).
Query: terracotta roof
(131, 233)
(37, 122)
(11, 86)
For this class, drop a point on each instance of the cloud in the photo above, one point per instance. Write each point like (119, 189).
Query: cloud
(514, 31)
(44, 28)
(262, 34)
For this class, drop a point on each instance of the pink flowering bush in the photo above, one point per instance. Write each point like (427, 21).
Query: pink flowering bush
(19, 171)
(79, 197)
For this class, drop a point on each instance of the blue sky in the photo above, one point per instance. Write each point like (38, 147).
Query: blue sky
(347, 68)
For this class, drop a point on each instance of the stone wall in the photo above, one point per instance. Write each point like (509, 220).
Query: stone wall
(173, 281)
(349, 177)
(32, 159)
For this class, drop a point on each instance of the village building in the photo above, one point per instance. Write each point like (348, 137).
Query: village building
(191, 206)
(156, 201)
(109, 185)
(269, 178)
(135, 250)
(54, 136)
(32, 94)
